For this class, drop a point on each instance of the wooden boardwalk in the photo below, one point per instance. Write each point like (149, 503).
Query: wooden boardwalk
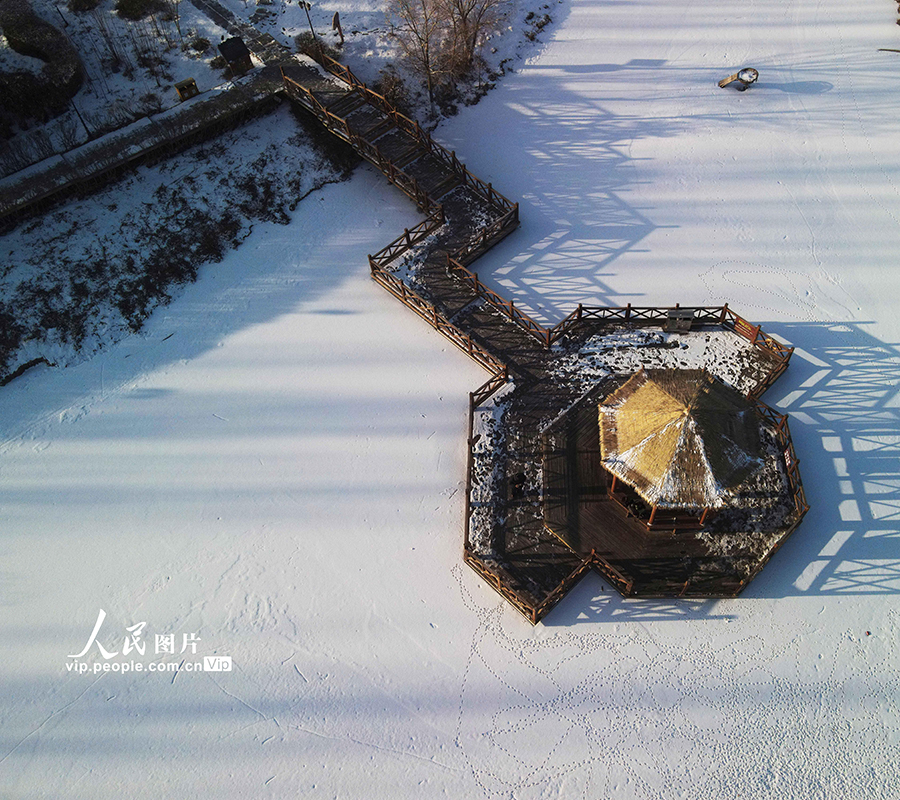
(543, 545)
(539, 548)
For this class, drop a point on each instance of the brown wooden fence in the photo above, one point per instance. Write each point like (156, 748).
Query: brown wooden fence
(413, 129)
(493, 579)
(549, 602)
(433, 317)
(703, 315)
(505, 307)
(535, 612)
(476, 398)
(409, 239)
(369, 151)
(486, 237)
(801, 507)
(646, 315)
(476, 244)
(496, 382)
(791, 462)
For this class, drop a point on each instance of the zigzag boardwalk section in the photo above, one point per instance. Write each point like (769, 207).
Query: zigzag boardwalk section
(526, 563)
(465, 216)
(530, 564)
(427, 269)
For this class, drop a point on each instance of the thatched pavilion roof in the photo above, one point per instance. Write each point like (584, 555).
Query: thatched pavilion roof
(680, 438)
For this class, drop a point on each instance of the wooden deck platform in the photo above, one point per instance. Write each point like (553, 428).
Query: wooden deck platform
(578, 510)
(539, 548)
(540, 545)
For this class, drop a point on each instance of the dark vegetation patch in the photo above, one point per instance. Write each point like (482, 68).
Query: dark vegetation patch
(200, 44)
(28, 97)
(76, 285)
(138, 9)
(315, 48)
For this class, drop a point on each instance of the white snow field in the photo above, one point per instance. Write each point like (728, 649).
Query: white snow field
(275, 465)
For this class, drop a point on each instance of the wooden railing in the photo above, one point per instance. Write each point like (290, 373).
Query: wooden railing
(623, 582)
(493, 579)
(476, 398)
(433, 317)
(484, 238)
(409, 239)
(648, 315)
(369, 151)
(549, 602)
(505, 307)
(754, 333)
(412, 128)
(535, 613)
(703, 315)
(794, 484)
(791, 462)
(457, 263)
(483, 392)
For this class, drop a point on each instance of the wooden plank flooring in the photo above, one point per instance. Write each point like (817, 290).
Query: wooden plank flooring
(543, 545)
(539, 548)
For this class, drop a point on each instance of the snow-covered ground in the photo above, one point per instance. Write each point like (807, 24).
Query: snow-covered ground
(369, 46)
(129, 67)
(79, 277)
(275, 464)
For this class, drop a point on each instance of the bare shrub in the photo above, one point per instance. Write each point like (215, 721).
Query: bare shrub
(137, 9)
(150, 103)
(69, 132)
(15, 154)
(118, 52)
(116, 115)
(314, 48)
(41, 144)
(391, 86)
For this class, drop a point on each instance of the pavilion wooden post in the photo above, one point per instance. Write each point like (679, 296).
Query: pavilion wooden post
(704, 515)
(652, 516)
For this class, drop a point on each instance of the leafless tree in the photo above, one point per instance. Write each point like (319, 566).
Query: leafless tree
(173, 13)
(420, 27)
(117, 51)
(41, 144)
(15, 154)
(442, 39)
(471, 22)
